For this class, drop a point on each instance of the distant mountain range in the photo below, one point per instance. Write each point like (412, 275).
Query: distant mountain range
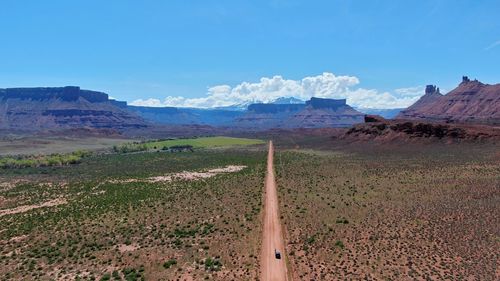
(35, 109)
(470, 102)
(315, 113)
(282, 113)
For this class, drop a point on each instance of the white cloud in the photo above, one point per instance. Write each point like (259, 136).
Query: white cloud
(326, 85)
(411, 91)
(148, 102)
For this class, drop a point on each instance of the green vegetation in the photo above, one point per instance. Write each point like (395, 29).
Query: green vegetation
(24, 161)
(132, 274)
(110, 223)
(130, 147)
(342, 221)
(339, 244)
(213, 264)
(105, 277)
(169, 263)
(202, 142)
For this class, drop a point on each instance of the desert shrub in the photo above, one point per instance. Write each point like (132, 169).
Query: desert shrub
(131, 274)
(311, 239)
(106, 277)
(339, 244)
(342, 221)
(169, 263)
(213, 264)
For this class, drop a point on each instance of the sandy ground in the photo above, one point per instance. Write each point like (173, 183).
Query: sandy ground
(127, 248)
(25, 208)
(271, 268)
(187, 175)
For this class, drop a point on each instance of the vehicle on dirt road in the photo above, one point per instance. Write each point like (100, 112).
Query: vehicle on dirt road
(277, 254)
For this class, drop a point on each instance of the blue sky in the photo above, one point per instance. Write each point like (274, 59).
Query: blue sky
(155, 49)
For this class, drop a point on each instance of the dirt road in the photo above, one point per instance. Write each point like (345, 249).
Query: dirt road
(272, 268)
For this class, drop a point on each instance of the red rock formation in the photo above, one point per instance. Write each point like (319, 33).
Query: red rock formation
(421, 132)
(35, 109)
(470, 102)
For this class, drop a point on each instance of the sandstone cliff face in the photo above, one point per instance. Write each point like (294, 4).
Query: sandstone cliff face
(344, 116)
(431, 96)
(470, 102)
(68, 93)
(316, 113)
(62, 107)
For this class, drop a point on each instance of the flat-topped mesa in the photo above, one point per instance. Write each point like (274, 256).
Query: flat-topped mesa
(319, 103)
(35, 109)
(315, 113)
(313, 103)
(431, 89)
(68, 93)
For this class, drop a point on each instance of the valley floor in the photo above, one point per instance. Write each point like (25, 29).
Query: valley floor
(143, 216)
(422, 213)
(348, 212)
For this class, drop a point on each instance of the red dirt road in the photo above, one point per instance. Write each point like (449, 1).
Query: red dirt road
(272, 269)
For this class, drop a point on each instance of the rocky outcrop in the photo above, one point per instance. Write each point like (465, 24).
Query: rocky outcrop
(36, 109)
(374, 118)
(431, 95)
(416, 131)
(471, 102)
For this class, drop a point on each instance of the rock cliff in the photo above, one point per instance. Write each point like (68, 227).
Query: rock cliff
(471, 102)
(35, 109)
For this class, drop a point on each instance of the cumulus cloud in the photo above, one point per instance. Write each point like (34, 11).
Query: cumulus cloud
(326, 85)
(410, 92)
